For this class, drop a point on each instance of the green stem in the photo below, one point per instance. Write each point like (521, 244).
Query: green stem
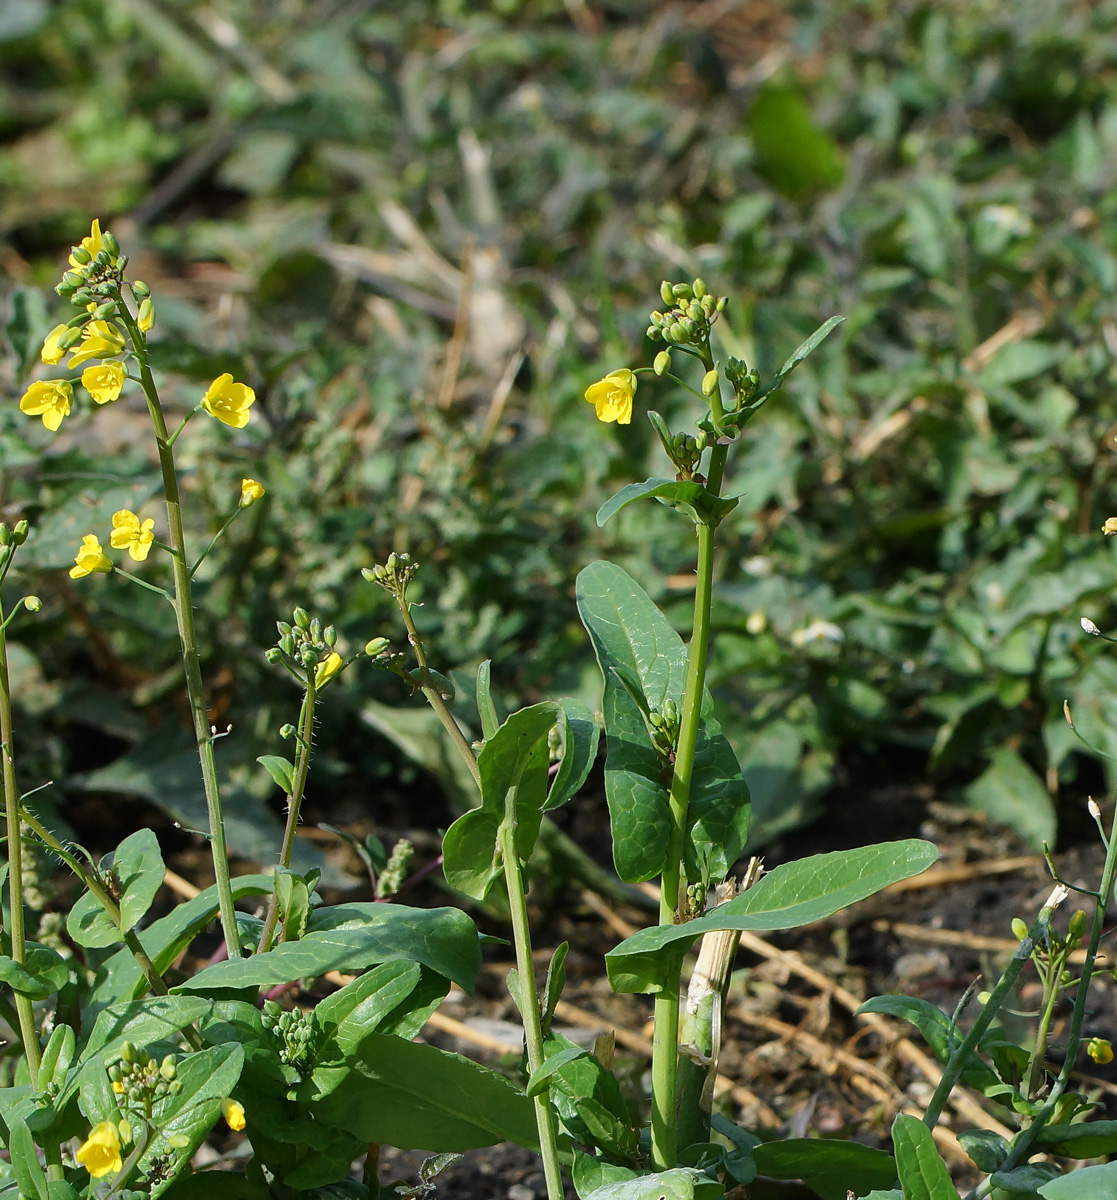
(961, 1055)
(672, 891)
(1039, 1047)
(29, 1035)
(216, 538)
(294, 801)
(434, 696)
(529, 1006)
(184, 614)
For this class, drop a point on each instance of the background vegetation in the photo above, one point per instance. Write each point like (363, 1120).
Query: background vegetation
(420, 230)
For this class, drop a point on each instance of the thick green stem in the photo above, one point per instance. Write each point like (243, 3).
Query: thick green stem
(294, 802)
(672, 892)
(29, 1035)
(529, 1006)
(184, 614)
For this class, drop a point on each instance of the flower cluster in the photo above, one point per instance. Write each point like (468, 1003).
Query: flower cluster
(128, 533)
(306, 649)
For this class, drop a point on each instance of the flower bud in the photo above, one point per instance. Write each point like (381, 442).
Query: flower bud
(1100, 1050)
(283, 627)
(124, 1128)
(682, 291)
(127, 1052)
(700, 289)
(662, 362)
(167, 1068)
(722, 302)
(69, 339)
(1019, 929)
(376, 646)
(5, 535)
(287, 731)
(329, 636)
(369, 573)
(287, 644)
(145, 317)
(302, 618)
(32, 603)
(710, 383)
(666, 292)
(81, 255)
(1089, 627)
(1077, 926)
(140, 289)
(104, 310)
(984, 997)
(81, 297)
(274, 655)
(73, 279)
(110, 243)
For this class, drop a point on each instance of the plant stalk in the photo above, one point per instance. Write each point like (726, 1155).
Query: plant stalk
(529, 1006)
(184, 614)
(294, 802)
(29, 1035)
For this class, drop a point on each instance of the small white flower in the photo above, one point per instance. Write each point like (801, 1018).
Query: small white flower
(817, 631)
(758, 566)
(1089, 627)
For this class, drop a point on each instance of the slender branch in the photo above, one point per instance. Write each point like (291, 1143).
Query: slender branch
(187, 636)
(216, 538)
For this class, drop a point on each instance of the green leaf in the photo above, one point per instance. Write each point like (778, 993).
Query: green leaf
(580, 738)
(137, 870)
(1084, 1139)
(27, 326)
(43, 973)
(797, 157)
(831, 1167)
(25, 1162)
(799, 354)
(281, 770)
(541, 1077)
(1010, 792)
(681, 1183)
(513, 768)
(792, 894)
(350, 937)
(359, 1008)
(556, 981)
(986, 1148)
(1091, 1183)
(58, 1054)
(418, 1097)
(643, 661)
(153, 1019)
(686, 494)
(1024, 1181)
(486, 710)
(923, 1174)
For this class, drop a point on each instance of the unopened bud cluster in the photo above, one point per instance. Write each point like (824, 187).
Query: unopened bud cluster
(394, 575)
(305, 646)
(391, 878)
(664, 726)
(686, 452)
(691, 313)
(140, 1080)
(296, 1036)
(95, 278)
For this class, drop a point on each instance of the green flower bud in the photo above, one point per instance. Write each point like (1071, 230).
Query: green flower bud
(1077, 926)
(662, 362)
(287, 731)
(653, 334)
(682, 291)
(700, 289)
(984, 997)
(65, 289)
(32, 603)
(81, 297)
(274, 655)
(667, 292)
(722, 302)
(302, 618)
(104, 310)
(167, 1068)
(376, 646)
(694, 311)
(81, 254)
(145, 317)
(369, 574)
(140, 289)
(329, 636)
(287, 643)
(710, 383)
(114, 1073)
(77, 322)
(110, 244)
(1019, 929)
(124, 1128)
(127, 1052)
(73, 278)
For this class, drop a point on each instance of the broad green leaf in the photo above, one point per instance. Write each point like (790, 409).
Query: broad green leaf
(988, 1149)
(580, 738)
(588, 1100)
(1091, 1183)
(418, 1097)
(119, 978)
(43, 973)
(1012, 793)
(136, 869)
(686, 494)
(643, 662)
(58, 1054)
(153, 1019)
(681, 1183)
(829, 1166)
(923, 1174)
(1085, 1139)
(1024, 1181)
(591, 1173)
(350, 937)
(541, 1077)
(358, 1008)
(513, 768)
(792, 894)
(281, 770)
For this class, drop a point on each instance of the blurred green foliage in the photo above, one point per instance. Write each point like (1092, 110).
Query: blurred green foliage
(419, 231)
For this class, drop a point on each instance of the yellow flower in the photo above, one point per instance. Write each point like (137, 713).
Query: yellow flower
(612, 396)
(118, 1087)
(250, 492)
(128, 534)
(89, 558)
(1110, 526)
(104, 381)
(99, 339)
(145, 319)
(51, 352)
(49, 399)
(327, 670)
(229, 402)
(91, 244)
(100, 1152)
(233, 1113)
(1100, 1050)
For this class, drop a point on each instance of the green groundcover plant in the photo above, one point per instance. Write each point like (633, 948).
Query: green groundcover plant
(127, 1065)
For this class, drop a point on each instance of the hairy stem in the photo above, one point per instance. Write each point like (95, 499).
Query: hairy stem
(529, 1006)
(184, 614)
